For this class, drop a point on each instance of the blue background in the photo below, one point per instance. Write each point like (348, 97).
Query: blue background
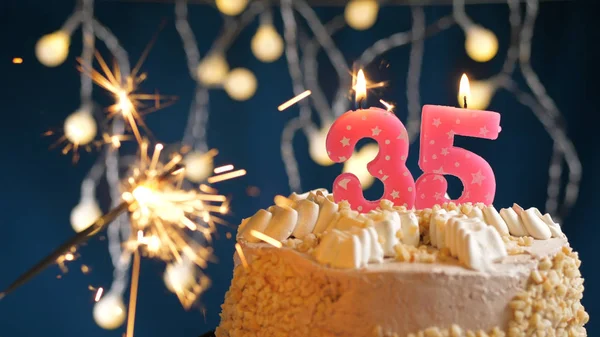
(40, 186)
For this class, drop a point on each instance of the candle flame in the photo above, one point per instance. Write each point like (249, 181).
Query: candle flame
(464, 91)
(360, 87)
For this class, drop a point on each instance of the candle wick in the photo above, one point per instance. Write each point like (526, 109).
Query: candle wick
(465, 101)
(360, 103)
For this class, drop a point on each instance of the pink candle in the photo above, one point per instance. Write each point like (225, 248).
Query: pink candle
(438, 156)
(389, 165)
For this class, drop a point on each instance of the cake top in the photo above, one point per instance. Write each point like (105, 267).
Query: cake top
(473, 236)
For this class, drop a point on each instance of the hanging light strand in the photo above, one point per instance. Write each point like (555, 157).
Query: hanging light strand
(413, 76)
(87, 54)
(336, 57)
(559, 149)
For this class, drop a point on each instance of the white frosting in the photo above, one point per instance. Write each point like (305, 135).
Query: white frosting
(349, 239)
(493, 218)
(530, 222)
(437, 228)
(327, 211)
(515, 226)
(282, 222)
(308, 213)
(386, 226)
(474, 243)
(410, 229)
(536, 227)
(258, 222)
(476, 212)
(339, 250)
(354, 248)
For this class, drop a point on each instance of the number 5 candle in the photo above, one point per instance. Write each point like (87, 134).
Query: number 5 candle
(389, 165)
(438, 156)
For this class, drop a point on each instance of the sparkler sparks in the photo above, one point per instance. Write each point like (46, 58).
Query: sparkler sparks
(388, 106)
(223, 169)
(265, 238)
(294, 100)
(98, 294)
(162, 213)
(128, 103)
(240, 252)
(226, 176)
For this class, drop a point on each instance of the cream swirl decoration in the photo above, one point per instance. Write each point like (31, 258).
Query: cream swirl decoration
(349, 239)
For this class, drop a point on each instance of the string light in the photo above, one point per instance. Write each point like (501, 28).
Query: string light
(17, 60)
(240, 84)
(213, 70)
(481, 44)
(361, 14)
(198, 166)
(109, 311)
(267, 44)
(80, 127)
(317, 147)
(231, 7)
(52, 49)
(357, 164)
(84, 214)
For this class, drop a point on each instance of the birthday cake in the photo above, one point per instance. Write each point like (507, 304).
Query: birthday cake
(309, 266)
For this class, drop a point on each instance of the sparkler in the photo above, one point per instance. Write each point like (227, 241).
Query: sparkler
(162, 213)
(128, 101)
(60, 253)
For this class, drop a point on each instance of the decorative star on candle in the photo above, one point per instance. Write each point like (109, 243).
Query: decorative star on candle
(439, 127)
(389, 165)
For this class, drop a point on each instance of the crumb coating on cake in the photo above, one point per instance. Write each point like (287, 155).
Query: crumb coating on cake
(270, 299)
(273, 298)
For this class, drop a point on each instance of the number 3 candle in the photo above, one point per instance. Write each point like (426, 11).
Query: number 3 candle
(438, 156)
(389, 165)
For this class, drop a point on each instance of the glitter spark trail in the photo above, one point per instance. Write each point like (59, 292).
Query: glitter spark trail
(128, 102)
(162, 212)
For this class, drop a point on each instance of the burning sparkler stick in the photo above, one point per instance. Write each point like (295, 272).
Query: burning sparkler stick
(79, 238)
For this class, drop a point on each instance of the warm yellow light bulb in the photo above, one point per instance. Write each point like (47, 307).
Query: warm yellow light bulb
(231, 7)
(213, 70)
(52, 49)
(361, 14)
(198, 166)
(357, 164)
(267, 44)
(84, 214)
(240, 84)
(480, 96)
(317, 147)
(481, 44)
(80, 127)
(109, 312)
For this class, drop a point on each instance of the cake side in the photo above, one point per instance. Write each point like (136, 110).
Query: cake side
(328, 284)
